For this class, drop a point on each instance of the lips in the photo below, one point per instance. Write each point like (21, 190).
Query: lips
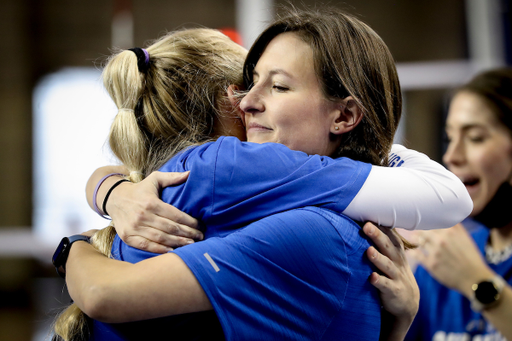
(257, 127)
(468, 180)
(471, 183)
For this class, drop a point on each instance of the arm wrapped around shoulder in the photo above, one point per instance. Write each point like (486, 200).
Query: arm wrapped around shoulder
(414, 192)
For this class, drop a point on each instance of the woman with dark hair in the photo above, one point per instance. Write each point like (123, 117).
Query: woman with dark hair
(297, 274)
(465, 279)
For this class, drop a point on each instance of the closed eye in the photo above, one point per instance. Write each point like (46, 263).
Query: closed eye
(280, 88)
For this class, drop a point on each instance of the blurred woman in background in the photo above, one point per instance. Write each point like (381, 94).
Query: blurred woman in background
(465, 279)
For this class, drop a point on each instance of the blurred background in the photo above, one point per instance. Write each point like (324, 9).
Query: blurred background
(55, 114)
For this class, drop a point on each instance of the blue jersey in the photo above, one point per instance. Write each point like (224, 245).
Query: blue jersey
(445, 314)
(227, 188)
(297, 275)
(232, 184)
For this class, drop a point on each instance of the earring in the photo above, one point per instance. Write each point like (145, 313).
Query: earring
(336, 128)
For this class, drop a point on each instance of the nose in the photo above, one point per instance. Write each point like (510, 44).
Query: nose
(455, 153)
(252, 103)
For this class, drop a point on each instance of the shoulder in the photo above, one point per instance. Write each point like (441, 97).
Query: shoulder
(312, 233)
(199, 155)
(479, 233)
(345, 228)
(302, 232)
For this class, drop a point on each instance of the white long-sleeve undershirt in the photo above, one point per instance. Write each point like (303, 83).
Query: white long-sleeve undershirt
(414, 192)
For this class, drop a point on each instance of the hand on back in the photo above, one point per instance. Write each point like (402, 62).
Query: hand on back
(398, 288)
(145, 222)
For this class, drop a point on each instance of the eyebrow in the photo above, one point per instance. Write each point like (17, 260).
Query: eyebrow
(273, 72)
(469, 126)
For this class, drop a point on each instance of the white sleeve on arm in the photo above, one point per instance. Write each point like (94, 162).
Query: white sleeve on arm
(415, 192)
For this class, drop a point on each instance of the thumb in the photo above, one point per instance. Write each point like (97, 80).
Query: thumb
(165, 179)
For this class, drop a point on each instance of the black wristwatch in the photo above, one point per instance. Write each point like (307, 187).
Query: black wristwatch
(61, 254)
(486, 293)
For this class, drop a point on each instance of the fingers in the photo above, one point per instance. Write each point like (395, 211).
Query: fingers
(166, 179)
(172, 214)
(383, 263)
(144, 221)
(382, 283)
(160, 229)
(386, 241)
(158, 207)
(170, 236)
(171, 242)
(144, 244)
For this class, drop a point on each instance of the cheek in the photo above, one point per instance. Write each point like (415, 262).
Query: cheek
(291, 117)
(495, 163)
(486, 163)
(494, 167)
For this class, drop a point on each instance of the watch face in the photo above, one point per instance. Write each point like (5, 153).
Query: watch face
(56, 259)
(486, 292)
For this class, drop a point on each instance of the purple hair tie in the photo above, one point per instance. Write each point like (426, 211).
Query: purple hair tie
(146, 54)
(142, 58)
(94, 196)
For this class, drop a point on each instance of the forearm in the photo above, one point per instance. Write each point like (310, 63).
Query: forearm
(87, 270)
(420, 194)
(499, 315)
(96, 176)
(113, 291)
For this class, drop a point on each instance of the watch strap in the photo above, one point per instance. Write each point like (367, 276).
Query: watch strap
(61, 254)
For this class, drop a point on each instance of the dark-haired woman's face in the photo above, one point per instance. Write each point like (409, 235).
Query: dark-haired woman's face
(286, 104)
(480, 148)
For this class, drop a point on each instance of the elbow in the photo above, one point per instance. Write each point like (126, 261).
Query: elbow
(464, 207)
(453, 207)
(102, 304)
(460, 207)
(95, 303)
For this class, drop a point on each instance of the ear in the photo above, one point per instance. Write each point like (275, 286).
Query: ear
(235, 99)
(348, 117)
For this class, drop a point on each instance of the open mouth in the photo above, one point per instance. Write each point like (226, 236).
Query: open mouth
(470, 182)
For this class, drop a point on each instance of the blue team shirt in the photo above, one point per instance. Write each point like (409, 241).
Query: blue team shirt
(232, 184)
(445, 314)
(296, 275)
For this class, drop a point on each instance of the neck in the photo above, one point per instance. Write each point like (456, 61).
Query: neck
(501, 238)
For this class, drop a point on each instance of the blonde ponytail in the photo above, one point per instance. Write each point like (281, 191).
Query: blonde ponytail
(128, 142)
(71, 324)
(125, 84)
